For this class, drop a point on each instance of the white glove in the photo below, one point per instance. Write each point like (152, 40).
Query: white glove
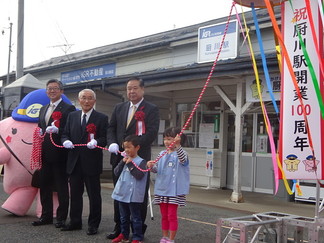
(40, 132)
(52, 129)
(113, 148)
(92, 144)
(68, 144)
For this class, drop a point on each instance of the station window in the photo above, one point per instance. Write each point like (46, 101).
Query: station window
(251, 133)
(203, 128)
(247, 133)
(262, 141)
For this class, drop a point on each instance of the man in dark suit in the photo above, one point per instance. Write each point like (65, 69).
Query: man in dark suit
(53, 172)
(136, 116)
(84, 164)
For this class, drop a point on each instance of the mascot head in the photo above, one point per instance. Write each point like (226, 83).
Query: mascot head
(29, 107)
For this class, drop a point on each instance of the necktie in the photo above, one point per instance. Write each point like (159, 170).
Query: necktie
(131, 115)
(49, 112)
(84, 122)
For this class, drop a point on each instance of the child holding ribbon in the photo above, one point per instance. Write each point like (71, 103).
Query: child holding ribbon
(172, 181)
(130, 190)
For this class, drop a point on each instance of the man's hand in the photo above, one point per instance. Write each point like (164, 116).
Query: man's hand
(92, 144)
(52, 129)
(68, 144)
(113, 148)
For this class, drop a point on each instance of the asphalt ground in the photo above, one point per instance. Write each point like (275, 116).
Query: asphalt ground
(197, 223)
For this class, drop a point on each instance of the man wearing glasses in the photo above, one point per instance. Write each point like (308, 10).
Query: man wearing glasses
(53, 176)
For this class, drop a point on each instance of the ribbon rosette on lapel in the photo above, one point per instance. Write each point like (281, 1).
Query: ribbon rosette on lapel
(57, 115)
(140, 124)
(91, 130)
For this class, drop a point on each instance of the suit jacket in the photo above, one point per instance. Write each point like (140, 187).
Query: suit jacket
(90, 159)
(49, 151)
(117, 130)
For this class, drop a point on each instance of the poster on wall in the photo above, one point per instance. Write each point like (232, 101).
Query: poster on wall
(184, 118)
(209, 162)
(206, 135)
(262, 143)
(296, 154)
(251, 89)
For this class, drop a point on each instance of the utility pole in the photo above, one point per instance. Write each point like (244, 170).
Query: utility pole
(20, 41)
(8, 71)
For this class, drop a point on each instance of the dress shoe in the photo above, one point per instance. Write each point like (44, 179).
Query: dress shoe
(60, 224)
(113, 235)
(70, 227)
(42, 221)
(92, 231)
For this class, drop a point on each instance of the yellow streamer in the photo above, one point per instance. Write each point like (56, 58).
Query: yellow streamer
(288, 189)
(256, 73)
(278, 50)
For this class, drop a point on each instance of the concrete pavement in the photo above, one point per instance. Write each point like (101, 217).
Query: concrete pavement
(197, 221)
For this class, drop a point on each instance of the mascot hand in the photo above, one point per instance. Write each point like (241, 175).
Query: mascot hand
(113, 148)
(68, 144)
(52, 129)
(92, 144)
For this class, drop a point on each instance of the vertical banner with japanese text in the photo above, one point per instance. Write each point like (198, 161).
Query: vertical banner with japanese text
(295, 152)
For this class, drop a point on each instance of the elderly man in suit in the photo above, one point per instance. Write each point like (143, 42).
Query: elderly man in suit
(85, 163)
(52, 119)
(135, 116)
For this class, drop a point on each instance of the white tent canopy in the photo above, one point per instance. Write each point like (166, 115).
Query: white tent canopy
(27, 80)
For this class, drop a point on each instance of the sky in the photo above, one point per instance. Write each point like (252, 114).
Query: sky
(57, 27)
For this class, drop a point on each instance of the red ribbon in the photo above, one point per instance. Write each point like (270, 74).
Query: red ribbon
(57, 115)
(140, 124)
(91, 130)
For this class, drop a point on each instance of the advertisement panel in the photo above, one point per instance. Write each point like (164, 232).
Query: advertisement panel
(88, 74)
(296, 155)
(210, 38)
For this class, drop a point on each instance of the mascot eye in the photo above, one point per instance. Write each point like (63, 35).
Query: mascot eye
(13, 131)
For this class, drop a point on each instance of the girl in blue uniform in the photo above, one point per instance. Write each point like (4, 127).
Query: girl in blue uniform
(172, 182)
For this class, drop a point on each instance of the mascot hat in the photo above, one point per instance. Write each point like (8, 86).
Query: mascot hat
(28, 109)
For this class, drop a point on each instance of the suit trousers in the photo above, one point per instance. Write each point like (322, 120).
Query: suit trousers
(92, 183)
(53, 177)
(116, 204)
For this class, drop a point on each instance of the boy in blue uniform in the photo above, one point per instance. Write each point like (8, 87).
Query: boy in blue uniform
(130, 190)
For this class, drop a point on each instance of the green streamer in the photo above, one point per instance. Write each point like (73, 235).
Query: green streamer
(310, 67)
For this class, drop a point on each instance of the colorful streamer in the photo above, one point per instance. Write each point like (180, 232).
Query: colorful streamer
(315, 39)
(263, 58)
(321, 9)
(291, 72)
(265, 116)
(290, 192)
